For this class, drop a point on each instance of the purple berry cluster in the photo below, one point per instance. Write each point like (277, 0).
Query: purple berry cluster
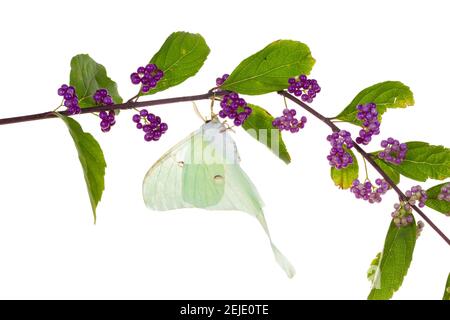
(403, 210)
(147, 76)
(234, 108)
(305, 88)
(288, 121)
(70, 99)
(368, 115)
(150, 124)
(394, 151)
(444, 195)
(416, 194)
(102, 98)
(107, 120)
(338, 157)
(369, 192)
(222, 79)
(402, 214)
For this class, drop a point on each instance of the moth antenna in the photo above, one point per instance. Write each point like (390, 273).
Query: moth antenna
(197, 112)
(213, 99)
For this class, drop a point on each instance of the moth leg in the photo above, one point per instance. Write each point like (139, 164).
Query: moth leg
(227, 127)
(213, 99)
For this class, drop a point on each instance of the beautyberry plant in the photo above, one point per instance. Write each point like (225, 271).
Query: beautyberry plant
(282, 67)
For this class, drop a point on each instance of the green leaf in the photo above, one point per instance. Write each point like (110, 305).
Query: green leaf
(395, 261)
(259, 126)
(374, 265)
(87, 76)
(394, 175)
(433, 202)
(269, 69)
(343, 178)
(91, 159)
(447, 289)
(423, 161)
(388, 94)
(180, 57)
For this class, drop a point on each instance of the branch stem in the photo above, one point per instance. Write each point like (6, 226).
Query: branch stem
(369, 159)
(212, 94)
(122, 106)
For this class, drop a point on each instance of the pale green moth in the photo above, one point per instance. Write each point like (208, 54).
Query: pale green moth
(203, 171)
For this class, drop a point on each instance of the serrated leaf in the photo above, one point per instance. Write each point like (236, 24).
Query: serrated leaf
(180, 57)
(87, 76)
(394, 175)
(433, 202)
(374, 265)
(259, 126)
(395, 261)
(388, 94)
(91, 158)
(343, 178)
(423, 161)
(268, 70)
(446, 295)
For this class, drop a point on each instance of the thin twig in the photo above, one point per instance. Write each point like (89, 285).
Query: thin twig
(369, 159)
(211, 94)
(122, 106)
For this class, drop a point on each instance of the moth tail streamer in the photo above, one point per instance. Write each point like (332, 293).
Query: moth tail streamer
(282, 261)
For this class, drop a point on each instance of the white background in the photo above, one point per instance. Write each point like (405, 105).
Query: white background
(49, 247)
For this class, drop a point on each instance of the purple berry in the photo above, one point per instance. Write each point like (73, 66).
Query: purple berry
(136, 118)
(141, 70)
(163, 127)
(103, 115)
(104, 124)
(148, 136)
(135, 78)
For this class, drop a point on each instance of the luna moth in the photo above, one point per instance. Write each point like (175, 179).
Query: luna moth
(203, 171)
